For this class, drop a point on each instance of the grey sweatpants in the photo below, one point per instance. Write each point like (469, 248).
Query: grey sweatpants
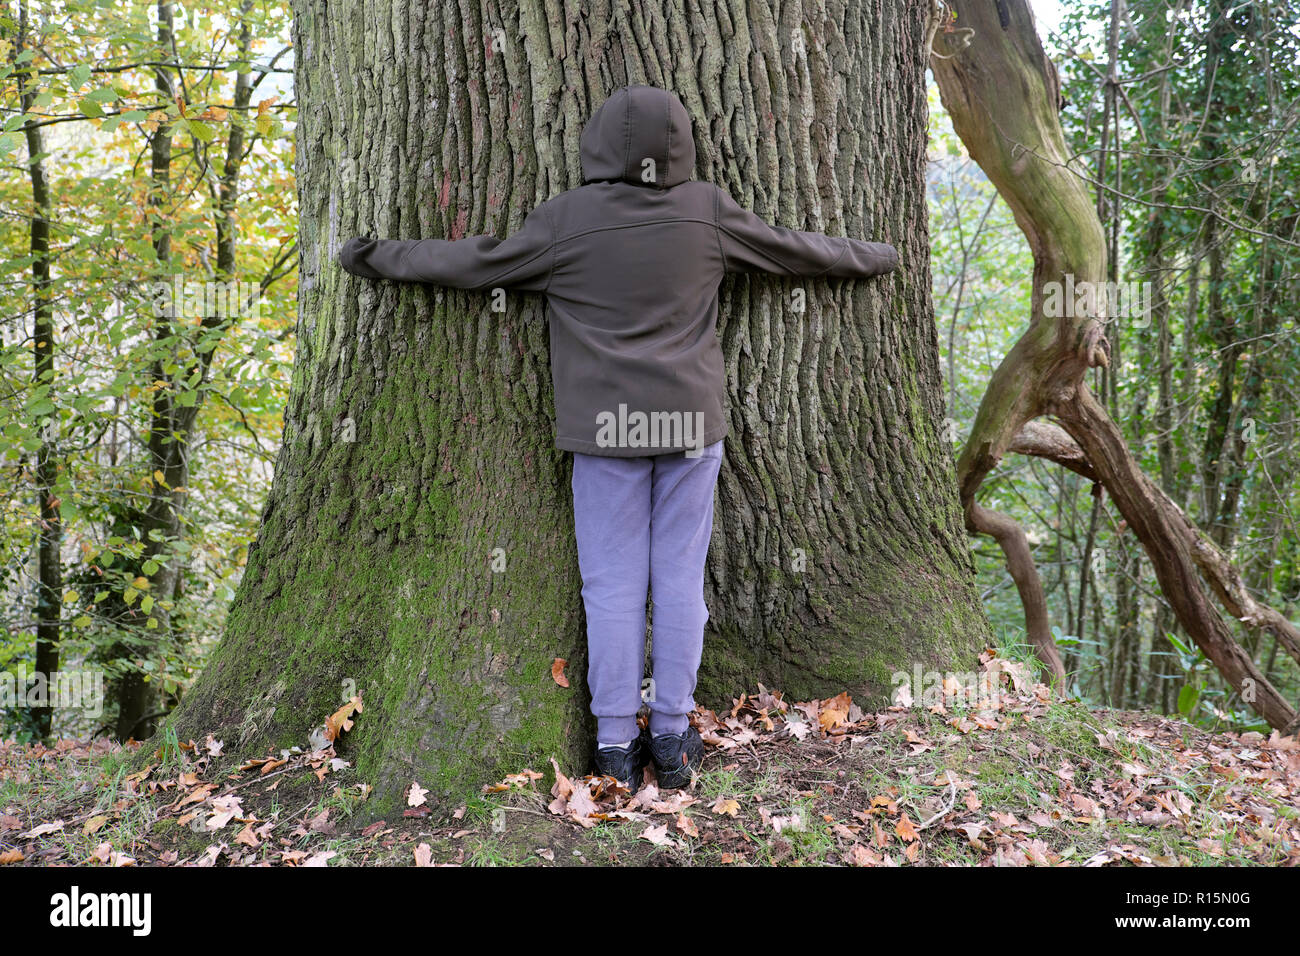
(643, 523)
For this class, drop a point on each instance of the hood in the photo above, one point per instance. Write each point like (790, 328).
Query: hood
(638, 123)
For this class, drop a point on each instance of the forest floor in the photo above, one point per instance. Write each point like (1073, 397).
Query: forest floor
(1029, 780)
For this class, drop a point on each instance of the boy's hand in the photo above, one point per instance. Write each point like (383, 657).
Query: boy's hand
(352, 257)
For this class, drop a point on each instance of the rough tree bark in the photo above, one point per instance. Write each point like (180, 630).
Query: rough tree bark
(417, 544)
(1002, 94)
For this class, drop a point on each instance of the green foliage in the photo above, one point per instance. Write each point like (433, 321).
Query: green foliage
(149, 562)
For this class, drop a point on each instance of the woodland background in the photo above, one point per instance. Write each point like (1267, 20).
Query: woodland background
(98, 393)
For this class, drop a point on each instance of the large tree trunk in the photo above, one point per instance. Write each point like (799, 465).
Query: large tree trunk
(417, 545)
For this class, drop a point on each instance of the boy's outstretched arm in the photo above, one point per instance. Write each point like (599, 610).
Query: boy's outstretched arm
(522, 261)
(750, 245)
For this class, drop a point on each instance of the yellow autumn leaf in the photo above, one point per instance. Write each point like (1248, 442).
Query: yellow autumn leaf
(905, 829)
(834, 711)
(725, 807)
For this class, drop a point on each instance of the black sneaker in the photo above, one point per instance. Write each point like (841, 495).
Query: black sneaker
(625, 765)
(676, 757)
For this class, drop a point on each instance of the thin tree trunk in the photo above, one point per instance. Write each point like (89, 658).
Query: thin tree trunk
(1221, 322)
(135, 695)
(172, 424)
(49, 577)
(1157, 272)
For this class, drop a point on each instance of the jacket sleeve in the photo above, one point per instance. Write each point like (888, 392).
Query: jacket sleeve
(522, 261)
(750, 245)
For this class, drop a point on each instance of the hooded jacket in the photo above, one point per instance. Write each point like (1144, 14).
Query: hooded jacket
(630, 264)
